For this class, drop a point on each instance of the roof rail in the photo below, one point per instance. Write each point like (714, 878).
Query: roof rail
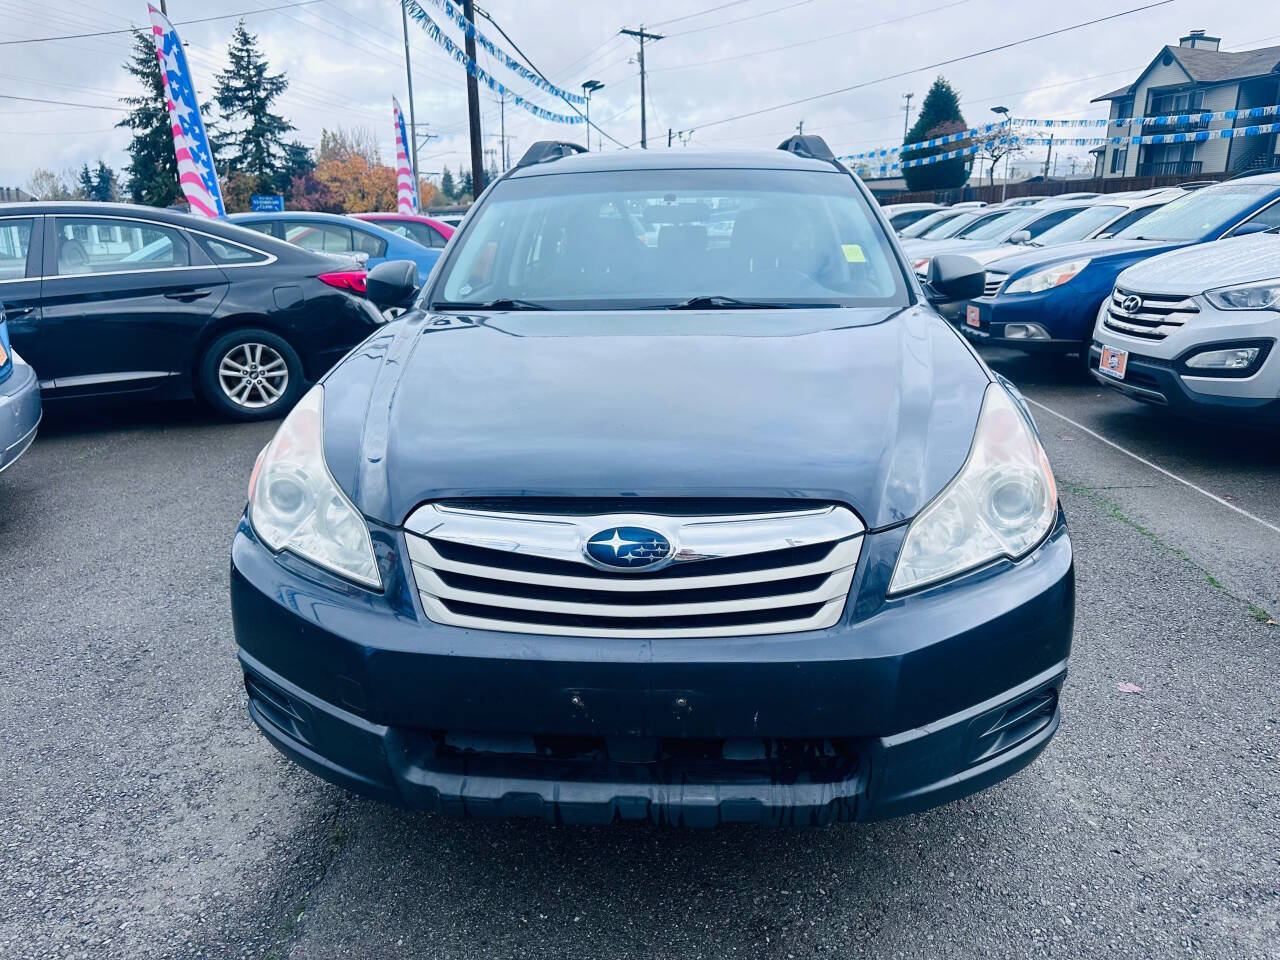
(543, 151)
(807, 145)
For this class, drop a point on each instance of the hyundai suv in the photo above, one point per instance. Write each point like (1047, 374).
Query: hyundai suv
(729, 527)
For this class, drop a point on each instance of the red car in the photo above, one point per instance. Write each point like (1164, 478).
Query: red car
(423, 230)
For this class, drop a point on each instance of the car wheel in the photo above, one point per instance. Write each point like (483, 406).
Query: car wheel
(251, 375)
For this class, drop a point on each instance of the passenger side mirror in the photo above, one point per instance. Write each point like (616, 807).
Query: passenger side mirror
(1022, 236)
(392, 284)
(953, 277)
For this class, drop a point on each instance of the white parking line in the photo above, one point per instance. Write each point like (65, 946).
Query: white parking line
(1154, 466)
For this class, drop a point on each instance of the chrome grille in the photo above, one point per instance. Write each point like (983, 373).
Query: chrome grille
(729, 575)
(993, 283)
(1147, 316)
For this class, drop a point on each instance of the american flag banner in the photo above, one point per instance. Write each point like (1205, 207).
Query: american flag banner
(406, 195)
(196, 174)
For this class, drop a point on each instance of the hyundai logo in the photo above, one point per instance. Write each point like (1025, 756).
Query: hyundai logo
(1131, 303)
(627, 548)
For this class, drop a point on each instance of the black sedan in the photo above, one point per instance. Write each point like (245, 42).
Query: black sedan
(110, 299)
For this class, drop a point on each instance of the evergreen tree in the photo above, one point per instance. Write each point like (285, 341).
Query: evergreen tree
(245, 93)
(298, 162)
(84, 184)
(448, 188)
(939, 116)
(467, 189)
(153, 168)
(104, 182)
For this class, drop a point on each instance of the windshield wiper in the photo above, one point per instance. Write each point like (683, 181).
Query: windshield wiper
(733, 303)
(502, 303)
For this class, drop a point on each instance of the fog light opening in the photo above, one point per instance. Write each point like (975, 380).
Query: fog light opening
(1025, 331)
(1234, 359)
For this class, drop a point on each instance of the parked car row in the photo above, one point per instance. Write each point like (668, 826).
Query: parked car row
(1179, 308)
(101, 299)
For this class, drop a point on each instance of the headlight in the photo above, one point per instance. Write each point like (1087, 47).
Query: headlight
(1001, 503)
(295, 504)
(1255, 296)
(1048, 278)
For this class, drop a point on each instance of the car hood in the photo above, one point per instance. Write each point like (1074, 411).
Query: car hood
(1206, 266)
(873, 408)
(1061, 253)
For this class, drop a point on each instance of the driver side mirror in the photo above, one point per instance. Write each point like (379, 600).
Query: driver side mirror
(1022, 236)
(953, 277)
(392, 284)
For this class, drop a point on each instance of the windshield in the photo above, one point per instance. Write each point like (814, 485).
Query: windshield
(996, 226)
(1081, 226)
(950, 228)
(657, 238)
(921, 227)
(1198, 214)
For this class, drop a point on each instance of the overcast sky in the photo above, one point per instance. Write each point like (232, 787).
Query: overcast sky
(345, 60)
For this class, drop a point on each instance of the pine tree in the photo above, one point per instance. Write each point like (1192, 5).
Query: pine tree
(467, 188)
(939, 116)
(104, 182)
(84, 184)
(245, 93)
(448, 188)
(153, 168)
(298, 162)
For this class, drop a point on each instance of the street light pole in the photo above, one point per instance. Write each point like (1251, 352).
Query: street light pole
(1008, 153)
(413, 122)
(588, 88)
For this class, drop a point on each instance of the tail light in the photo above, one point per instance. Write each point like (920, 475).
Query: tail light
(352, 280)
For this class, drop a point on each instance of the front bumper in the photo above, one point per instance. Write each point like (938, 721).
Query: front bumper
(1051, 311)
(19, 413)
(902, 705)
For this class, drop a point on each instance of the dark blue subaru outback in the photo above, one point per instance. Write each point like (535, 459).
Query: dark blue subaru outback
(670, 498)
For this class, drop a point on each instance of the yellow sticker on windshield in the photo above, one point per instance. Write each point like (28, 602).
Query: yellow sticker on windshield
(853, 253)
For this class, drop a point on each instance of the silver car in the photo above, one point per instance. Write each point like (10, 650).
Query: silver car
(1195, 330)
(19, 402)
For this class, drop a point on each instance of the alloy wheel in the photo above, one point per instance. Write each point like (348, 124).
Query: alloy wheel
(253, 375)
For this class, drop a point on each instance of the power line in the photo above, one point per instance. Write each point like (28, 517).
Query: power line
(754, 16)
(802, 43)
(929, 66)
(690, 16)
(64, 103)
(180, 23)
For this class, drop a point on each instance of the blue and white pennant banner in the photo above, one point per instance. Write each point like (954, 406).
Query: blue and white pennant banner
(924, 144)
(1251, 113)
(439, 36)
(510, 62)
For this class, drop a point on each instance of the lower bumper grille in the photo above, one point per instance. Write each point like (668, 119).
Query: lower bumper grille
(726, 575)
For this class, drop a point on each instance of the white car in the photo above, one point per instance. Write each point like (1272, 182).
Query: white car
(902, 215)
(1195, 330)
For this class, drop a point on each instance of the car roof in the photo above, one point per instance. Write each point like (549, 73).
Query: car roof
(90, 208)
(614, 160)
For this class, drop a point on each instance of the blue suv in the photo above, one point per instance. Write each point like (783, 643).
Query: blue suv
(669, 497)
(1049, 299)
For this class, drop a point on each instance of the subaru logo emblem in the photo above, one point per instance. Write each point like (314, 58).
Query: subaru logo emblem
(1131, 303)
(627, 548)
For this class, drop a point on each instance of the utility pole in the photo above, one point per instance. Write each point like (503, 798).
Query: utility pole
(473, 105)
(800, 127)
(906, 119)
(642, 36)
(502, 120)
(1048, 154)
(413, 123)
(164, 8)
(669, 134)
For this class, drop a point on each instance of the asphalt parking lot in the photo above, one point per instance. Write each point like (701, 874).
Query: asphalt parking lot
(145, 817)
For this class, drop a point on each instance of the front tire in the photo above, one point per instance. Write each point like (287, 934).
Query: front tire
(251, 374)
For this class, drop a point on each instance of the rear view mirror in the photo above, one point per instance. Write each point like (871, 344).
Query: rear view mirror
(954, 277)
(1022, 236)
(392, 284)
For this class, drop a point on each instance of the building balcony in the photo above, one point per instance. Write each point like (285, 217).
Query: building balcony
(1169, 168)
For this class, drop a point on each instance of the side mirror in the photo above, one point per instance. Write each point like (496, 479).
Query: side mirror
(1022, 236)
(954, 277)
(1253, 226)
(392, 284)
